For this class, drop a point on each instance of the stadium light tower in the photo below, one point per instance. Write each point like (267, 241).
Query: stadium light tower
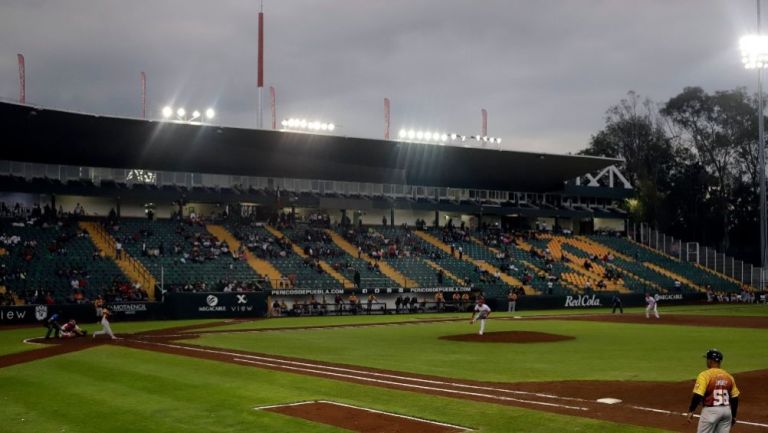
(754, 54)
(180, 114)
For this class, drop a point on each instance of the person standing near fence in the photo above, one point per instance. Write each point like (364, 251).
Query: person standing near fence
(511, 301)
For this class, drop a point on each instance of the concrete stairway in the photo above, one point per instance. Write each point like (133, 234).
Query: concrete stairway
(674, 276)
(482, 264)
(385, 268)
(448, 274)
(328, 269)
(261, 266)
(133, 269)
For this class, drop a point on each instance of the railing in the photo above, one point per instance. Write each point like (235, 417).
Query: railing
(692, 252)
(361, 307)
(145, 277)
(365, 283)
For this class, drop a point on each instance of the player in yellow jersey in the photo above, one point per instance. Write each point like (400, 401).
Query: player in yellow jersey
(716, 390)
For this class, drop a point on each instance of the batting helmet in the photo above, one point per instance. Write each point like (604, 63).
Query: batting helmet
(714, 355)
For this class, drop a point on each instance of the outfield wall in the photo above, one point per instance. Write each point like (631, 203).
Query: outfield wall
(255, 304)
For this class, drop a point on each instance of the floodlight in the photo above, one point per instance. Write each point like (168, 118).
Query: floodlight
(454, 136)
(420, 135)
(444, 137)
(427, 135)
(181, 112)
(167, 112)
(284, 123)
(754, 51)
(331, 126)
(411, 134)
(303, 123)
(210, 113)
(195, 115)
(402, 133)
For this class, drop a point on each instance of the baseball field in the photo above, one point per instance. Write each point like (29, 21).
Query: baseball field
(530, 372)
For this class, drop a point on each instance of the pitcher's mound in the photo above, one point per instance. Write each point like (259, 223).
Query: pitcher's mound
(508, 337)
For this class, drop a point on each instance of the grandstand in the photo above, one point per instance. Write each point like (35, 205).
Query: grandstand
(256, 210)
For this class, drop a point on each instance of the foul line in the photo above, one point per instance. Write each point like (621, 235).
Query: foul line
(261, 360)
(412, 418)
(409, 385)
(279, 363)
(373, 373)
(669, 412)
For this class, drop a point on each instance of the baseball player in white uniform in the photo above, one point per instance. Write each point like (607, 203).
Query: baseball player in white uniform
(481, 313)
(652, 306)
(105, 328)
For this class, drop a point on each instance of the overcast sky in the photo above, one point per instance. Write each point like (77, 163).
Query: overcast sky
(545, 70)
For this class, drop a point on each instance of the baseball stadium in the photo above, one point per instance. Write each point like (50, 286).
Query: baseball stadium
(171, 274)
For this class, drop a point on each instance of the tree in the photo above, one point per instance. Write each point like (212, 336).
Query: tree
(633, 132)
(718, 129)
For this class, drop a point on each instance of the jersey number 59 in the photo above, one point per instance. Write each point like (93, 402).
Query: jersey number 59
(720, 397)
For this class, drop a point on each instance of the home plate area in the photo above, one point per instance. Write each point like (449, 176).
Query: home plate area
(358, 419)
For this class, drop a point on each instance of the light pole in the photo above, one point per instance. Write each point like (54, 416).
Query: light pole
(754, 54)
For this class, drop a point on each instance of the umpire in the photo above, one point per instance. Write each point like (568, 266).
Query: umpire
(717, 391)
(53, 326)
(617, 304)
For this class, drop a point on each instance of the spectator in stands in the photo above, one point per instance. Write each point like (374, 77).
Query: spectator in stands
(353, 303)
(371, 300)
(357, 278)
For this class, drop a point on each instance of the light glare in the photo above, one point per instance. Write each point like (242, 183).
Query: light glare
(754, 51)
(167, 112)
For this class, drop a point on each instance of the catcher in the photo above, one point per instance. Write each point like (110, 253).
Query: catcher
(71, 330)
(481, 313)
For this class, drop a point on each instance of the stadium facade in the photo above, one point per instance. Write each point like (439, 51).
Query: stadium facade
(63, 158)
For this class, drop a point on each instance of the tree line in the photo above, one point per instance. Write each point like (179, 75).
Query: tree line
(693, 161)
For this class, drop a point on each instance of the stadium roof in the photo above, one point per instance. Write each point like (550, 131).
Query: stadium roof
(34, 134)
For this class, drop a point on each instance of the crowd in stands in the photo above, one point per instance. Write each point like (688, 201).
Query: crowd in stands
(220, 286)
(194, 245)
(352, 304)
(33, 237)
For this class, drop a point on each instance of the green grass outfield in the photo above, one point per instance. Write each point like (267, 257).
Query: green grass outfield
(636, 351)
(113, 390)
